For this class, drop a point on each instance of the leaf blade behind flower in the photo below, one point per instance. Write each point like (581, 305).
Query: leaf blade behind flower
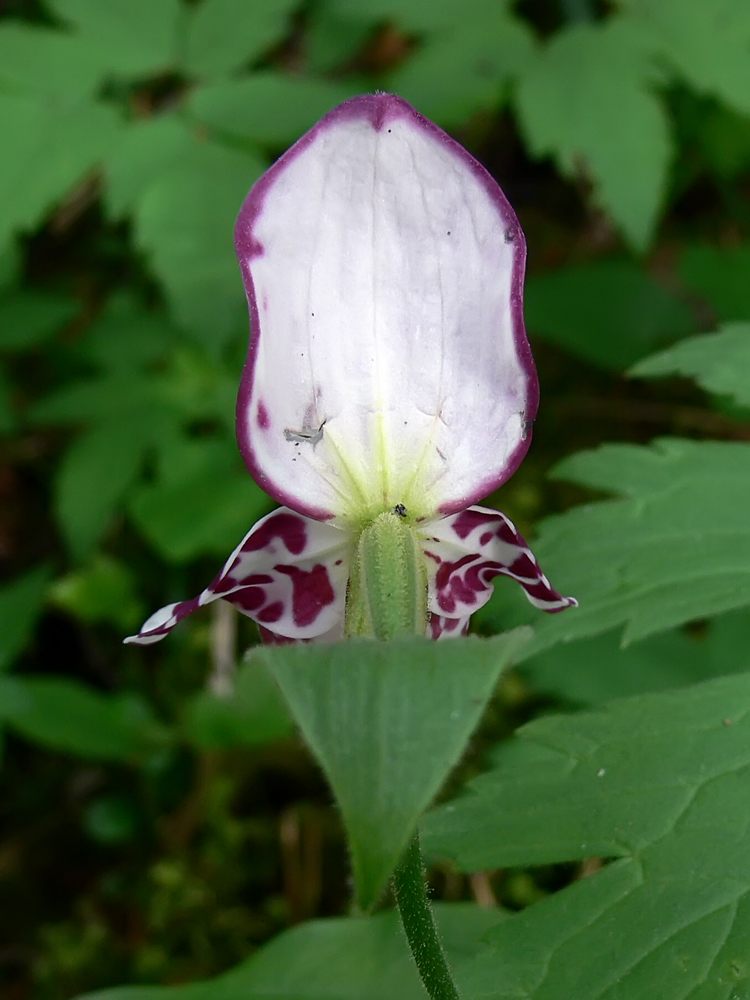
(387, 722)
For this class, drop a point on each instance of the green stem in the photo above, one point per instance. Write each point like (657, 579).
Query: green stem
(419, 924)
(387, 598)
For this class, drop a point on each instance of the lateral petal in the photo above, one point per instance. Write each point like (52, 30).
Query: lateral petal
(442, 627)
(388, 362)
(289, 574)
(270, 638)
(464, 552)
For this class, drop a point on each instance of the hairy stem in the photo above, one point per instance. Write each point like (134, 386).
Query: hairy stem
(419, 924)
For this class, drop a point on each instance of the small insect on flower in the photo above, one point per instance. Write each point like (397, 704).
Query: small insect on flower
(389, 385)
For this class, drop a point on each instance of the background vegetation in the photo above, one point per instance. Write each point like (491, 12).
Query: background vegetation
(155, 826)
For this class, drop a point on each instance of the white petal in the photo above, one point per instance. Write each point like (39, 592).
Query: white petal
(442, 627)
(388, 360)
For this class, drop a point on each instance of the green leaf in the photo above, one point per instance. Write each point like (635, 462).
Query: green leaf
(719, 362)
(38, 60)
(586, 100)
(225, 34)
(145, 151)
(48, 147)
(677, 549)
(594, 670)
(201, 388)
(120, 395)
(185, 222)
(206, 504)
(130, 37)
(387, 722)
(609, 312)
(103, 591)
(127, 337)
(719, 135)
(658, 781)
(459, 72)
(419, 15)
(65, 715)
(7, 414)
(21, 603)
(266, 108)
(720, 276)
(96, 473)
(332, 39)
(110, 819)
(705, 42)
(254, 714)
(13, 698)
(28, 318)
(365, 958)
(10, 264)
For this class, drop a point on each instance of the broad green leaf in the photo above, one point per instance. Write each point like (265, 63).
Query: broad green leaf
(387, 722)
(110, 819)
(706, 42)
(66, 715)
(660, 782)
(719, 135)
(364, 958)
(204, 504)
(37, 60)
(127, 337)
(48, 148)
(459, 72)
(119, 395)
(586, 100)
(333, 39)
(266, 108)
(13, 698)
(27, 318)
(720, 276)
(145, 152)
(103, 591)
(254, 714)
(677, 549)
(10, 264)
(185, 222)
(21, 604)
(644, 472)
(594, 670)
(609, 312)
(129, 37)
(420, 15)
(201, 388)
(96, 473)
(719, 362)
(7, 414)
(222, 35)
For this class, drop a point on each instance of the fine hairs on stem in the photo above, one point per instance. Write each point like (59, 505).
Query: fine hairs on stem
(419, 924)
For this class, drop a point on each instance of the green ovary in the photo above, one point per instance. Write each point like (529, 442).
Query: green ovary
(387, 594)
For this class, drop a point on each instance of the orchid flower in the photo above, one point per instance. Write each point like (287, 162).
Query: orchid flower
(389, 383)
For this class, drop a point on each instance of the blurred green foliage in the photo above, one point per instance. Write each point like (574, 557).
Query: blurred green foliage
(160, 820)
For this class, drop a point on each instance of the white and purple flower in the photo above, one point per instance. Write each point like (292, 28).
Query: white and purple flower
(388, 370)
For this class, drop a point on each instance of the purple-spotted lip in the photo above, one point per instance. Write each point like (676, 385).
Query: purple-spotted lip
(378, 109)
